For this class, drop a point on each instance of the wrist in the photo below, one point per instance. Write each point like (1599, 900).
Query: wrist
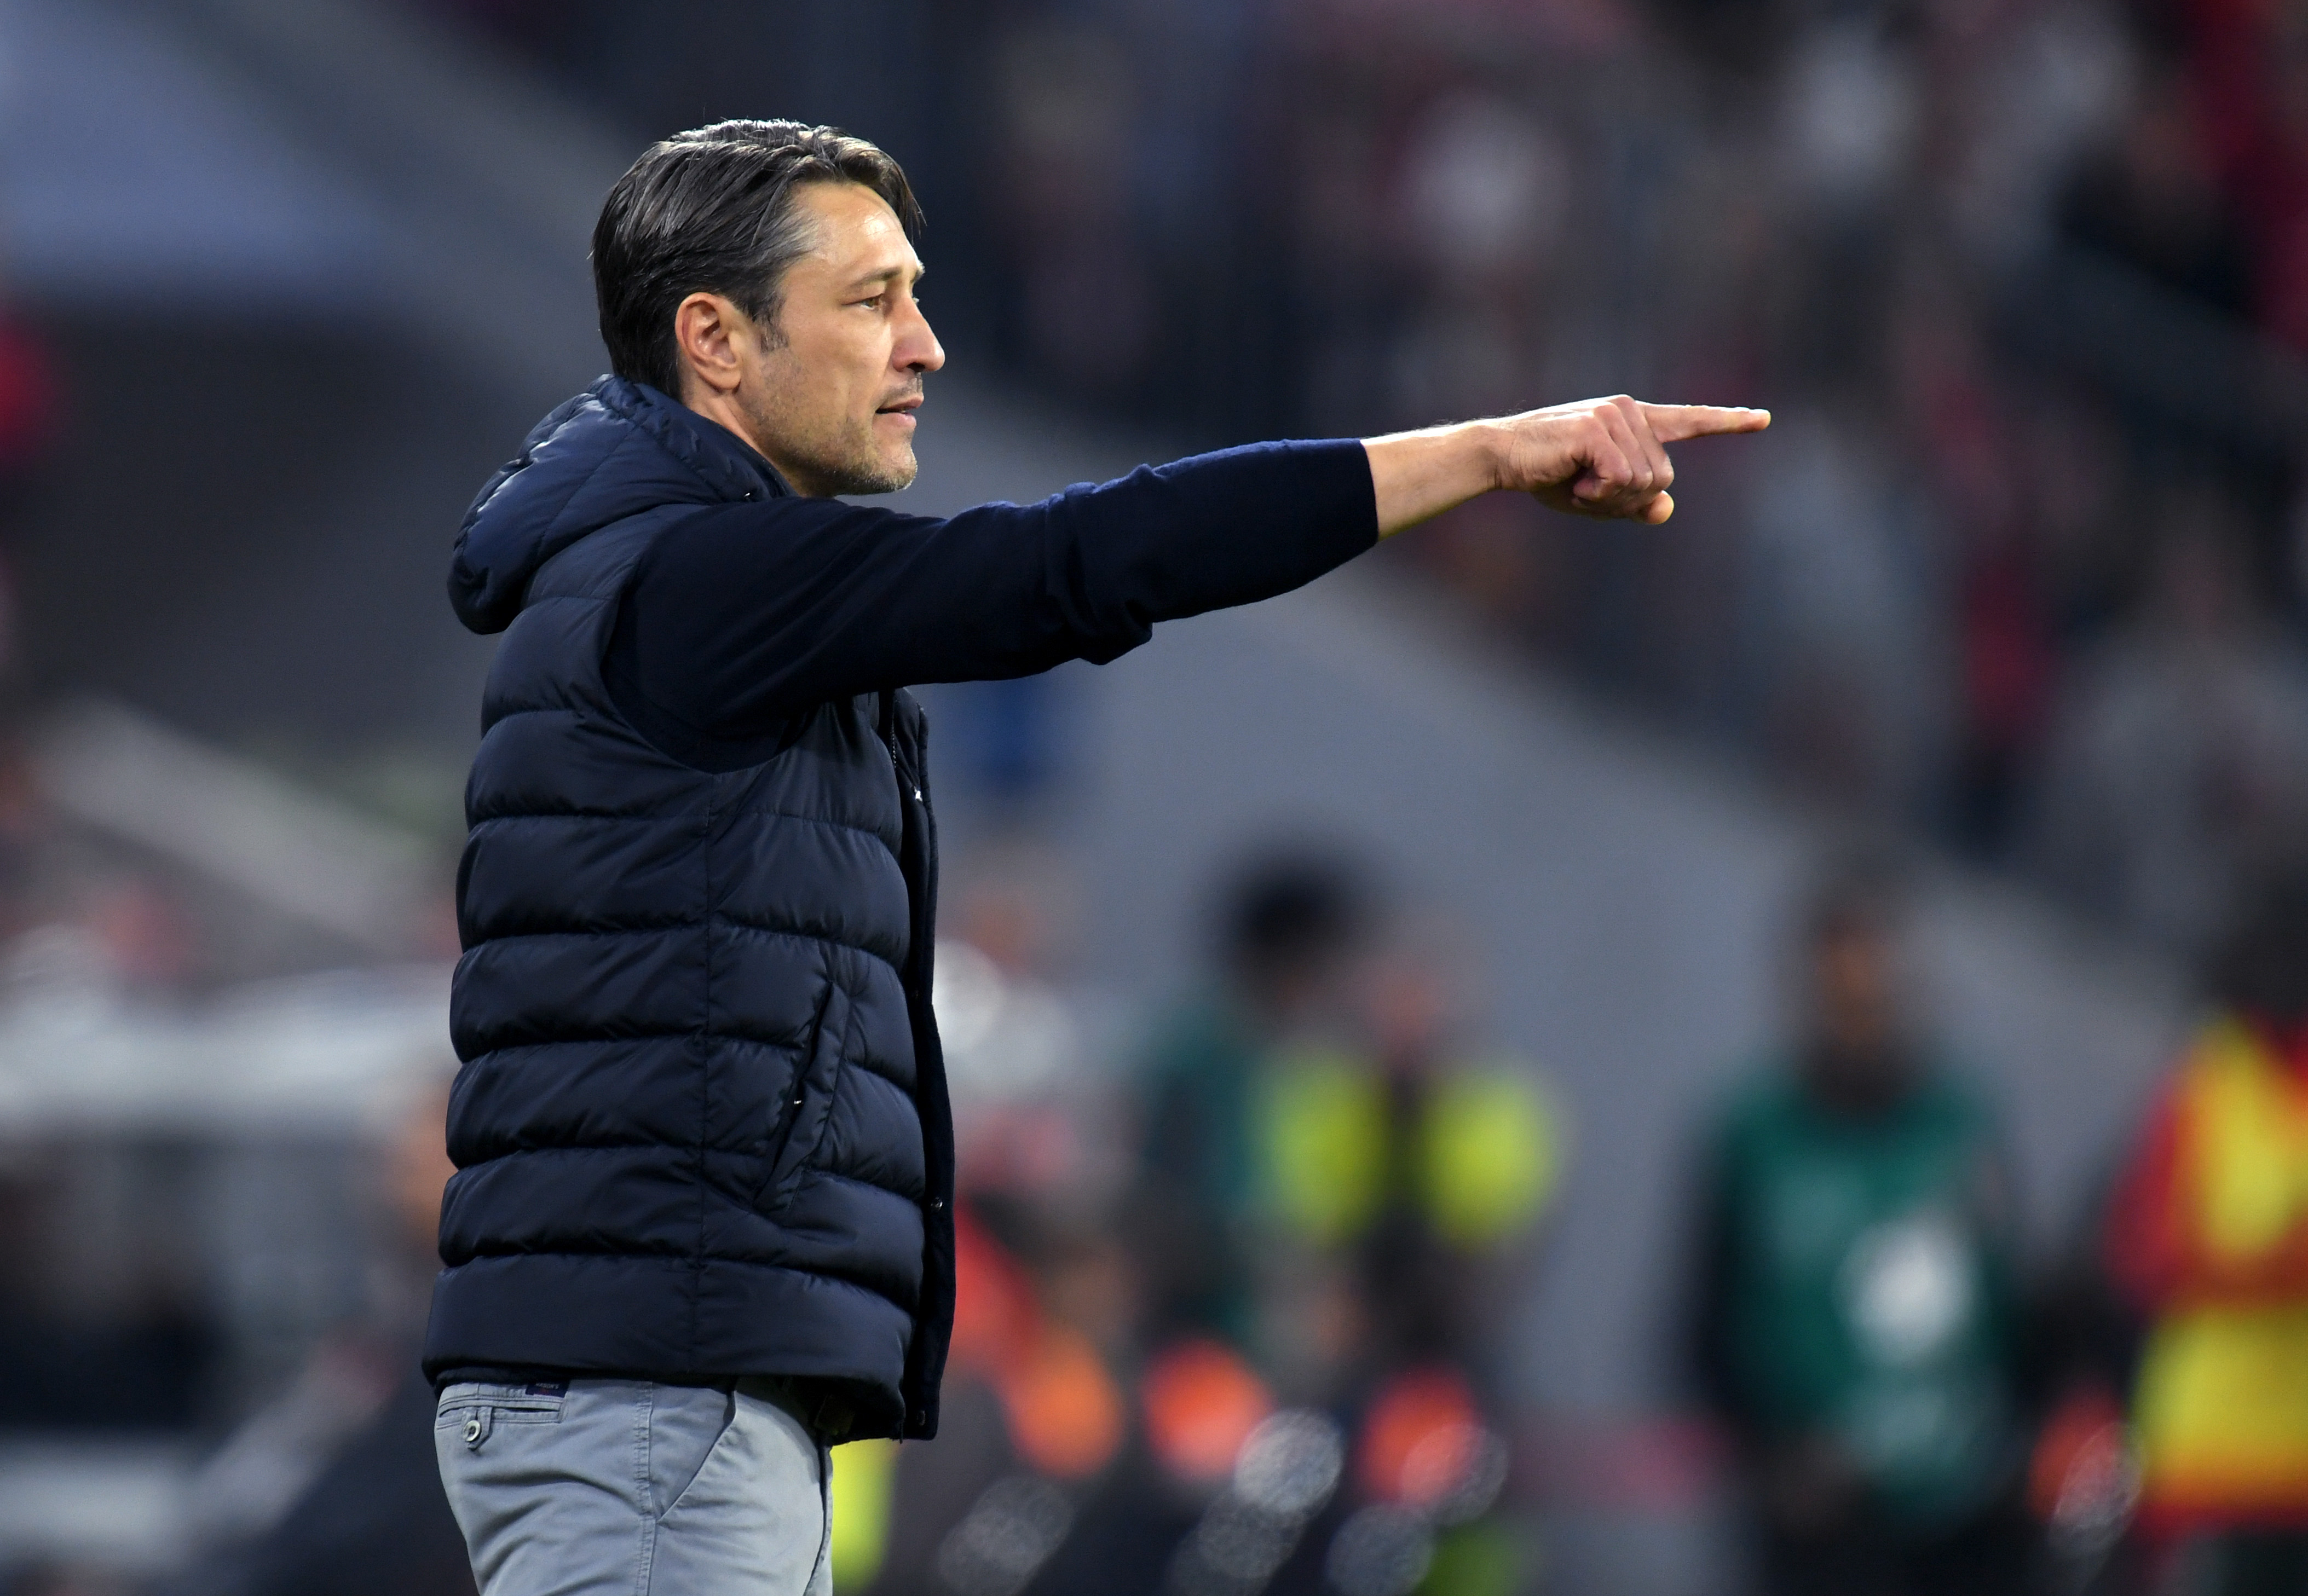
(1418, 475)
(1489, 446)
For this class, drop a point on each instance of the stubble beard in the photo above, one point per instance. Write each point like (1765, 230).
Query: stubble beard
(849, 461)
(867, 471)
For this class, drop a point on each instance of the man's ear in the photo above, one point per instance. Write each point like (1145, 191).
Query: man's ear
(705, 327)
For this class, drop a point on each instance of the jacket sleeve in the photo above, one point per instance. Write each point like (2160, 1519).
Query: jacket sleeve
(746, 615)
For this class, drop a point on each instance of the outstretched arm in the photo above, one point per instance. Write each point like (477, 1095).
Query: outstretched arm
(748, 613)
(1603, 458)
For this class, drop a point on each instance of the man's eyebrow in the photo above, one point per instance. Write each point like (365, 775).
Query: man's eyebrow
(889, 272)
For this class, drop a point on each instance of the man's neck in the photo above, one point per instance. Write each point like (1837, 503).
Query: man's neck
(723, 410)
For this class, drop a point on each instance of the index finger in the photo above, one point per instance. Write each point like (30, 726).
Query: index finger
(1672, 423)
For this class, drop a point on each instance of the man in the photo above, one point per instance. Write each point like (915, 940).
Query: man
(701, 1228)
(1286, 932)
(1855, 1325)
(2208, 1237)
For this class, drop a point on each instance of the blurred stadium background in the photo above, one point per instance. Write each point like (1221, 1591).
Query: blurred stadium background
(2011, 596)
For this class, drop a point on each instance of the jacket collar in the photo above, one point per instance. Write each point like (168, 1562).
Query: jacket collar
(715, 452)
(616, 449)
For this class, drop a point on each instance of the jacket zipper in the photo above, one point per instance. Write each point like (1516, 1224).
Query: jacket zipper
(889, 737)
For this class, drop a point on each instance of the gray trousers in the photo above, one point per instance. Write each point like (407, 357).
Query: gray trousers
(627, 1488)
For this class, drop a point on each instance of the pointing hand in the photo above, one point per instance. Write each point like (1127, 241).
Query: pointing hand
(1607, 457)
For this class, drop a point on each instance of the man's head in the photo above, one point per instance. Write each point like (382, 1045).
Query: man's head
(763, 273)
(1858, 1059)
(1290, 922)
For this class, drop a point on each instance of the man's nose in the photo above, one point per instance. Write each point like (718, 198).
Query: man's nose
(918, 350)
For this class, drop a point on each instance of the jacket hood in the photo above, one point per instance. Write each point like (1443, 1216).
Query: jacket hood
(614, 450)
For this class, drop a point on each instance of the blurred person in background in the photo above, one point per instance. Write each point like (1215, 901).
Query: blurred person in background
(1287, 930)
(1371, 1187)
(2178, 753)
(1430, 1160)
(2247, 77)
(1037, 1483)
(2150, 197)
(2209, 1236)
(698, 623)
(333, 1489)
(1291, 923)
(1853, 1320)
(1401, 1181)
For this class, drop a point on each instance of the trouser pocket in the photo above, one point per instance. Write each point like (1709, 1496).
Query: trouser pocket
(714, 1491)
(752, 1517)
(687, 1425)
(541, 1481)
(472, 1411)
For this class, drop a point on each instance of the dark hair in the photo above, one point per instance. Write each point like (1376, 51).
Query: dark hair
(712, 210)
(1290, 906)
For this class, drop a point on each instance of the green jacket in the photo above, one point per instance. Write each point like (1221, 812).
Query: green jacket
(1857, 1280)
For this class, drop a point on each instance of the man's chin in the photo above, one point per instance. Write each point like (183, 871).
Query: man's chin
(891, 474)
(882, 474)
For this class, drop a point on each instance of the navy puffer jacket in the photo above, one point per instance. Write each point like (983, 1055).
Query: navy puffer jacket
(700, 1127)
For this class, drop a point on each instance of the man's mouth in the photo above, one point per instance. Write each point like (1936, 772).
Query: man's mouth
(906, 406)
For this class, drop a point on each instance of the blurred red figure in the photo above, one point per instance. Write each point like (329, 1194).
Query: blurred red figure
(1015, 1496)
(1063, 1409)
(2209, 1236)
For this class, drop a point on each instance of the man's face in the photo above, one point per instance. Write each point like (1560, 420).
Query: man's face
(1855, 1013)
(829, 400)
